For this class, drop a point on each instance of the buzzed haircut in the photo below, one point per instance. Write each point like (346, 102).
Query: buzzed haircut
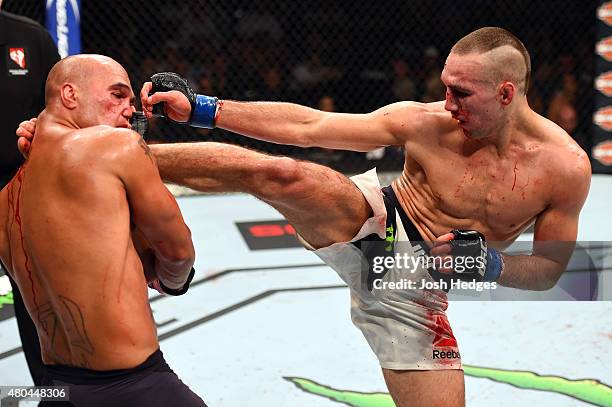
(489, 38)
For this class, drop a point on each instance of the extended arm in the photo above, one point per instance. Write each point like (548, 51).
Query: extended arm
(288, 123)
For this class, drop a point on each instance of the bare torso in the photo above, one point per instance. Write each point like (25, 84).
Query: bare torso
(450, 181)
(66, 221)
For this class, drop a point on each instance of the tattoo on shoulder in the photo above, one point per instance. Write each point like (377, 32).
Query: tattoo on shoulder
(143, 144)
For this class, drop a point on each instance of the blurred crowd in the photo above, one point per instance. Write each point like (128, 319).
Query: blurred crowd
(251, 69)
(341, 56)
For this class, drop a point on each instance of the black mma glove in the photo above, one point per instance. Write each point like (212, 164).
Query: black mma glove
(203, 108)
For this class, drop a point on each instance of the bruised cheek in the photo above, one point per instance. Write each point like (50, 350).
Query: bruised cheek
(112, 108)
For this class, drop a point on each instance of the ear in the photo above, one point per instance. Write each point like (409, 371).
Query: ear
(506, 93)
(68, 95)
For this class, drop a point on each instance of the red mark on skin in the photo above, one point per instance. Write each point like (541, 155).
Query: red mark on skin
(515, 168)
(120, 286)
(17, 207)
(524, 187)
(461, 183)
(10, 197)
(17, 218)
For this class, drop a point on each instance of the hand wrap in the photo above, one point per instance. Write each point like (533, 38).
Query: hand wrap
(203, 108)
(479, 262)
(162, 289)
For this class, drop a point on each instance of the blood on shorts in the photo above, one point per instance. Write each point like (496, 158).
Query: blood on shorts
(443, 338)
(443, 335)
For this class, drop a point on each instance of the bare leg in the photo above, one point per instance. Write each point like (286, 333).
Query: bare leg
(323, 205)
(426, 388)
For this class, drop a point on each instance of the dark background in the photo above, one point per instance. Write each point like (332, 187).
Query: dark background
(339, 55)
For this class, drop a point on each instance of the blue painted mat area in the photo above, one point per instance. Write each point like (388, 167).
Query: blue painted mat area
(255, 317)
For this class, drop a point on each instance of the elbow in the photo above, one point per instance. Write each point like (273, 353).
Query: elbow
(185, 253)
(548, 283)
(182, 256)
(179, 255)
(545, 285)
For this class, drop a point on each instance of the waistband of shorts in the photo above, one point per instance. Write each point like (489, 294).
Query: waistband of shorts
(82, 376)
(411, 231)
(413, 234)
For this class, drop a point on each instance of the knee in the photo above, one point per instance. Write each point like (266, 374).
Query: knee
(279, 178)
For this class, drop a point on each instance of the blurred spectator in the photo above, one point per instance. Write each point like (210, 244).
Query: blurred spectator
(403, 87)
(326, 103)
(273, 84)
(434, 90)
(312, 72)
(565, 96)
(567, 119)
(429, 75)
(253, 23)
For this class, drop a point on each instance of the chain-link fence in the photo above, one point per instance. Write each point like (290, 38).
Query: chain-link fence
(336, 55)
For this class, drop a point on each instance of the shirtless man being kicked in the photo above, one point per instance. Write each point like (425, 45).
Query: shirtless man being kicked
(77, 223)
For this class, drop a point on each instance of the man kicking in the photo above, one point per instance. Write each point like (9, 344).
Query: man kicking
(80, 220)
(481, 160)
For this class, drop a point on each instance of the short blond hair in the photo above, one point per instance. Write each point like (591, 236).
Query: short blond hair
(489, 38)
